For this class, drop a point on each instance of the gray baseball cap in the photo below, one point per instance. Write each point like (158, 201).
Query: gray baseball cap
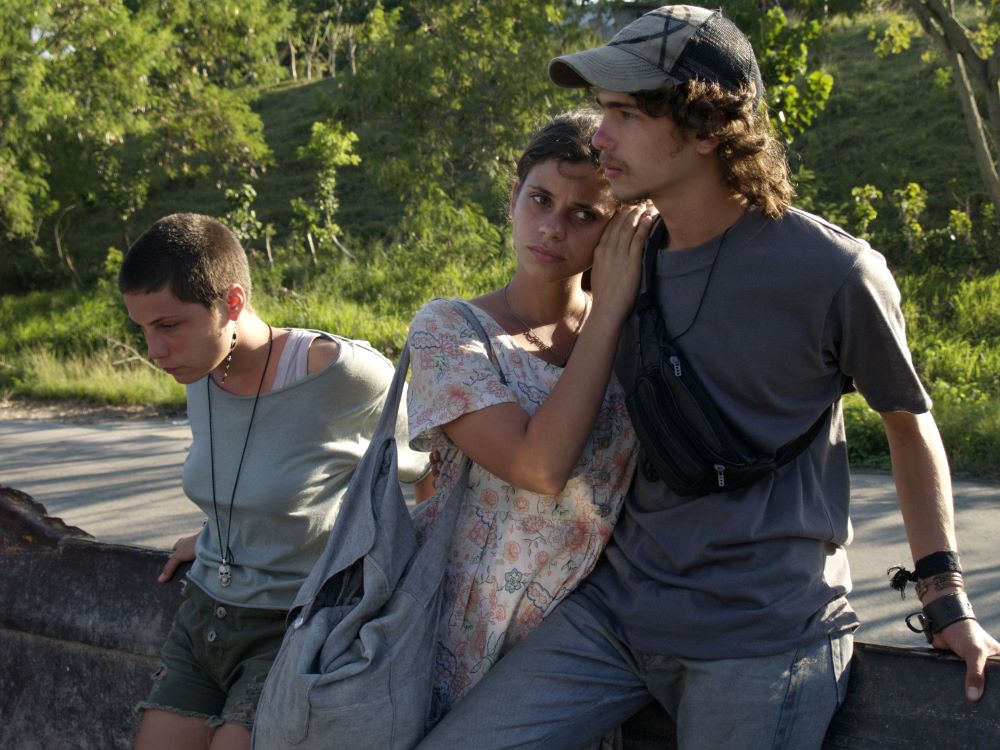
(670, 45)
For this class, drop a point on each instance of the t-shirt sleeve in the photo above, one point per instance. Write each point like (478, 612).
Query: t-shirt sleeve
(869, 334)
(368, 376)
(450, 372)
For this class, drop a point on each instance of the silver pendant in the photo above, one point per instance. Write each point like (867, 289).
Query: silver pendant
(225, 574)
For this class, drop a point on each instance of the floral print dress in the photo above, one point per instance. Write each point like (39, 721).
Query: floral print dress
(515, 553)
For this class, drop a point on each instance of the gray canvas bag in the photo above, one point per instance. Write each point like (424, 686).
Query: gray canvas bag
(355, 669)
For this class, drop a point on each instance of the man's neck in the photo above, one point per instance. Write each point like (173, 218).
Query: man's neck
(693, 223)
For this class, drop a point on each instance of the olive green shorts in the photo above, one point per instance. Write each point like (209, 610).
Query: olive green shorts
(215, 659)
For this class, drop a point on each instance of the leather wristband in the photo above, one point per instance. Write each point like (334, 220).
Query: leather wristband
(940, 613)
(940, 582)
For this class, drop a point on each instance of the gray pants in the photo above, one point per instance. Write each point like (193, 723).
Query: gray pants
(571, 680)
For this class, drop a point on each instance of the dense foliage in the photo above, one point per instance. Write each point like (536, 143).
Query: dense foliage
(363, 150)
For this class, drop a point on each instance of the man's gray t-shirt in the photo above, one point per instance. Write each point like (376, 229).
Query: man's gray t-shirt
(793, 308)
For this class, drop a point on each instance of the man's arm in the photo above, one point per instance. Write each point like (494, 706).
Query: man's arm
(923, 483)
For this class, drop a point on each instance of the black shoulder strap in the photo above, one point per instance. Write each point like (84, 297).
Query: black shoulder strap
(794, 447)
(647, 295)
(651, 328)
(652, 333)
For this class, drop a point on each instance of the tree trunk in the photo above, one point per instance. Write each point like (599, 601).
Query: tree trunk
(312, 248)
(332, 40)
(970, 70)
(63, 254)
(292, 63)
(312, 52)
(976, 128)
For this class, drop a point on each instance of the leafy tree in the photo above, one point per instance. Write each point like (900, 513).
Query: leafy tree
(323, 31)
(865, 212)
(215, 57)
(911, 202)
(972, 53)
(72, 90)
(797, 90)
(331, 147)
(451, 91)
(98, 96)
(241, 217)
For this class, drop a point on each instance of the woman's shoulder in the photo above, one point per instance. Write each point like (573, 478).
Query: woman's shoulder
(438, 320)
(455, 317)
(438, 311)
(324, 351)
(347, 361)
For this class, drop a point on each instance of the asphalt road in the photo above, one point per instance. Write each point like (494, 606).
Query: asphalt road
(120, 482)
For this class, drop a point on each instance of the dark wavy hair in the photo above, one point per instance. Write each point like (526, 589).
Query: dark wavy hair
(195, 256)
(753, 160)
(565, 138)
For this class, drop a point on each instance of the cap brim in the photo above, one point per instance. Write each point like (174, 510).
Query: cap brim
(608, 67)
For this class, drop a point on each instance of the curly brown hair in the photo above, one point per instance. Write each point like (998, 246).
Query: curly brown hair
(753, 160)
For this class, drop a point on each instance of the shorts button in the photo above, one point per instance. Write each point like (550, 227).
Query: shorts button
(212, 636)
(220, 612)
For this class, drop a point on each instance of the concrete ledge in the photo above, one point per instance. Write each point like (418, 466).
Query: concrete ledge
(81, 626)
(57, 581)
(64, 694)
(82, 623)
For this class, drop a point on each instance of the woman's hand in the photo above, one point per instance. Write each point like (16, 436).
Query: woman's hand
(617, 267)
(183, 551)
(539, 452)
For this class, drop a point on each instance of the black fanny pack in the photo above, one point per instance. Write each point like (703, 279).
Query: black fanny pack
(686, 442)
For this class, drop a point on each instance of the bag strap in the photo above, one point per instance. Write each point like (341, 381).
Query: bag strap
(386, 427)
(647, 295)
(466, 309)
(651, 327)
(652, 331)
(428, 564)
(387, 422)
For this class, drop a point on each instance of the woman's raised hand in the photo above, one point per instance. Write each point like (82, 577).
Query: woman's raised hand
(614, 278)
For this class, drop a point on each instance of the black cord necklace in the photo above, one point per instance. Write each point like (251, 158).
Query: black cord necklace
(704, 291)
(225, 553)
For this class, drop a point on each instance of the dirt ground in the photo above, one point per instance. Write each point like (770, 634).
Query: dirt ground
(78, 412)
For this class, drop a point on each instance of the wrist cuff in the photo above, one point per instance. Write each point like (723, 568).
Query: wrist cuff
(940, 613)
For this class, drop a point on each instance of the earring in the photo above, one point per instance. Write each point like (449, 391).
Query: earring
(229, 358)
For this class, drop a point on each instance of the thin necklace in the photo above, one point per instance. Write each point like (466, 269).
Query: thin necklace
(704, 291)
(530, 334)
(229, 357)
(225, 553)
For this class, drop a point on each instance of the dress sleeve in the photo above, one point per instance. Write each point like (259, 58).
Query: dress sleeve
(450, 372)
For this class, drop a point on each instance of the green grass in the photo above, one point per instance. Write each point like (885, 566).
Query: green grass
(888, 123)
(288, 111)
(100, 379)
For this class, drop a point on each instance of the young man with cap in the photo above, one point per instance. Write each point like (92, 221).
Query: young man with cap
(730, 608)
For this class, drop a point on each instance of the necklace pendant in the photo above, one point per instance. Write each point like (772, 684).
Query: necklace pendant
(225, 574)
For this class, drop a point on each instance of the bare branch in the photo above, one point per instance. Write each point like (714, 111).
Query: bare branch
(944, 28)
(132, 354)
